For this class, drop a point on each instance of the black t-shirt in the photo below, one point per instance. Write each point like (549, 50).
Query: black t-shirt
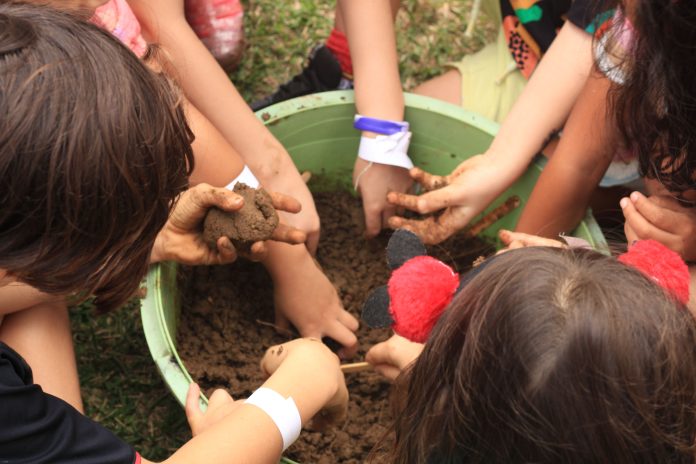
(38, 428)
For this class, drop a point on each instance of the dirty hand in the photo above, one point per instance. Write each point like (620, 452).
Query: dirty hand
(513, 240)
(311, 360)
(180, 239)
(220, 405)
(374, 182)
(391, 357)
(463, 194)
(307, 220)
(305, 297)
(661, 218)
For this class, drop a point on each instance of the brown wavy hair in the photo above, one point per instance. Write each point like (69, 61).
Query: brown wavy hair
(552, 355)
(655, 108)
(94, 150)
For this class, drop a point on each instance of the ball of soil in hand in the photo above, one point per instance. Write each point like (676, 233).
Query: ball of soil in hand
(255, 221)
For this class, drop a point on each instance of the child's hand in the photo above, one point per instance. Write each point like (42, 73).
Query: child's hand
(307, 220)
(514, 240)
(220, 405)
(312, 361)
(180, 239)
(304, 296)
(391, 357)
(661, 218)
(374, 182)
(463, 194)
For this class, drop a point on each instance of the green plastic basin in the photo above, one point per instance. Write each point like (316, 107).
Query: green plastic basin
(317, 132)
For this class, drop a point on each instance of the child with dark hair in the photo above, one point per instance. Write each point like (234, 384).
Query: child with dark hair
(629, 129)
(95, 171)
(303, 294)
(548, 355)
(639, 104)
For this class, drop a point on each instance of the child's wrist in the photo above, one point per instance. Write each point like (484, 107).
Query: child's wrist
(384, 141)
(245, 177)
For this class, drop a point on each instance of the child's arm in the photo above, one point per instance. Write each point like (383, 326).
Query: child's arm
(542, 108)
(208, 87)
(304, 296)
(369, 27)
(302, 369)
(209, 148)
(560, 197)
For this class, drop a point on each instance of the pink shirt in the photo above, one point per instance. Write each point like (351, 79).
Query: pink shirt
(117, 17)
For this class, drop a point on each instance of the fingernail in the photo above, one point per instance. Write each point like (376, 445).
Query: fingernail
(635, 196)
(623, 202)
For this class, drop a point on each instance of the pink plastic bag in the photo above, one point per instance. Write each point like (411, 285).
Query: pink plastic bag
(219, 25)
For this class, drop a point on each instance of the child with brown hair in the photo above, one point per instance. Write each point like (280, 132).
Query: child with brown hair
(90, 197)
(238, 149)
(549, 355)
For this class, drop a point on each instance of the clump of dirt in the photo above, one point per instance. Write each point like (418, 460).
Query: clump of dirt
(227, 324)
(255, 221)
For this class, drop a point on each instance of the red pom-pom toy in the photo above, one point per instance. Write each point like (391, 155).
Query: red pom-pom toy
(419, 291)
(660, 264)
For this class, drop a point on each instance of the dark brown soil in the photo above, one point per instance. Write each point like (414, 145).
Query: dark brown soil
(255, 221)
(227, 320)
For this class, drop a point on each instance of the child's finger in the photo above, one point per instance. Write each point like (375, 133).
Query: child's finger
(347, 319)
(429, 230)
(403, 200)
(631, 235)
(256, 252)
(226, 251)
(520, 239)
(373, 220)
(344, 336)
(273, 358)
(427, 180)
(641, 226)
(205, 196)
(192, 408)
(660, 217)
(287, 234)
(285, 202)
(219, 398)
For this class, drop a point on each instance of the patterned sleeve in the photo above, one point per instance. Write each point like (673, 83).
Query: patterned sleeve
(589, 15)
(36, 427)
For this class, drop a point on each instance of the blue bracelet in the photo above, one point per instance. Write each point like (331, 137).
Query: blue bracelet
(379, 126)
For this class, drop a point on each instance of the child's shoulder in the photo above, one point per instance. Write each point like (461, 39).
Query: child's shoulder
(37, 427)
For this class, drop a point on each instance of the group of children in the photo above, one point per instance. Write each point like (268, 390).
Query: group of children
(120, 130)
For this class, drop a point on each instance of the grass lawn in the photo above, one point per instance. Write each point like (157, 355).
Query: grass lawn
(120, 384)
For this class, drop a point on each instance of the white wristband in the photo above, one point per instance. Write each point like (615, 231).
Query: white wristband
(246, 177)
(283, 412)
(387, 149)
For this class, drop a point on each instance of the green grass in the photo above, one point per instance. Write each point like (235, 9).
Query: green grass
(120, 384)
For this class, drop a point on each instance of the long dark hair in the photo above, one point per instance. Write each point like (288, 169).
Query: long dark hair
(655, 107)
(94, 149)
(553, 355)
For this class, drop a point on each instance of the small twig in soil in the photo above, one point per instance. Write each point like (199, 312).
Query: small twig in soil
(355, 367)
(306, 176)
(492, 217)
(278, 329)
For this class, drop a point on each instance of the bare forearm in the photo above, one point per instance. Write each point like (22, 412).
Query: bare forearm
(369, 26)
(545, 103)
(561, 196)
(207, 86)
(216, 162)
